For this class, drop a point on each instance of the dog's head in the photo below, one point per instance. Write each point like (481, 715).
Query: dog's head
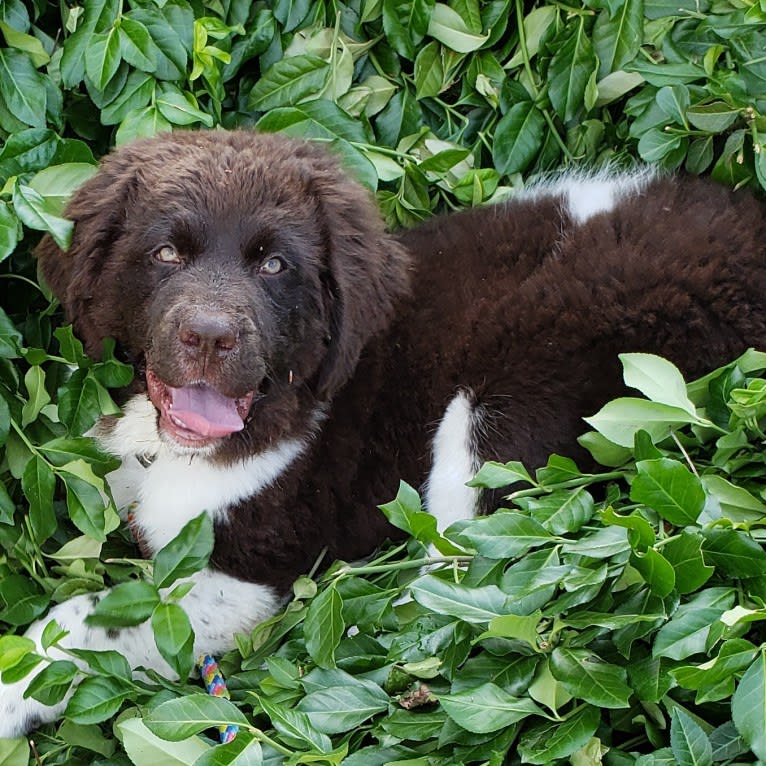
(235, 270)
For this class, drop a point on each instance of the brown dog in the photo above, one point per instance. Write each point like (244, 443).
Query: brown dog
(294, 361)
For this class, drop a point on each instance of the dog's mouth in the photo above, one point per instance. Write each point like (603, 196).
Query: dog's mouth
(197, 415)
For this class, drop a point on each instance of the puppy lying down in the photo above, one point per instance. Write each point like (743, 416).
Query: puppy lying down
(294, 361)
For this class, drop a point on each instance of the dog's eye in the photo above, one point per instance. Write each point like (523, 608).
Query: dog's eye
(167, 254)
(272, 266)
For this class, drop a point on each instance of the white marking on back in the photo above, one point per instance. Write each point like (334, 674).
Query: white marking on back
(454, 462)
(587, 195)
(175, 487)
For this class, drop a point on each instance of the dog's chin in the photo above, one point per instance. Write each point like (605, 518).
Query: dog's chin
(196, 418)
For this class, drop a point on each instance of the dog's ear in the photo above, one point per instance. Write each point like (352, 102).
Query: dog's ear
(368, 273)
(97, 210)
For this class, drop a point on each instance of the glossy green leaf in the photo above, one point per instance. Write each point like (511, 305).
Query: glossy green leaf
(688, 740)
(487, 708)
(324, 627)
(126, 604)
(103, 55)
(97, 699)
(518, 138)
(22, 87)
(669, 488)
(177, 719)
(338, 709)
(547, 741)
(572, 65)
(174, 637)
(586, 676)
(186, 553)
(289, 82)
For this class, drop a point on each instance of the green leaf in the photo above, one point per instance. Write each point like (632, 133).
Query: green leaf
(296, 727)
(181, 108)
(126, 604)
(178, 719)
(657, 379)
(674, 100)
(669, 488)
(38, 484)
(144, 747)
(9, 230)
(142, 123)
(38, 213)
(38, 397)
(324, 627)
(169, 55)
(103, 55)
(548, 741)
(22, 87)
(617, 36)
(712, 118)
(586, 676)
(289, 82)
(518, 138)
(450, 28)
(405, 24)
(186, 553)
(688, 632)
(656, 144)
(51, 684)
(561, 512)
(136, 44)
(501, 535)
(620, 420)
(15, 752)
(338, 709)
(572, 65)
(685, 555)
(57, 183)
(243, 750)
(493, 475)
(174, 637)
(471, 604)
(487, 708)
(733, 553)
(748, 706)
(656, 570)
(642, 533)
(405, 513)
(429, 71)
(97, 699)
(86, 505)
(689, 743)
(22, 599)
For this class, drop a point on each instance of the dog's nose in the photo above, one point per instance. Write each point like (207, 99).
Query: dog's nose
(208, 333)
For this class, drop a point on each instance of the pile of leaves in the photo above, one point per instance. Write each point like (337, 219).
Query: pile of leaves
(608, 619)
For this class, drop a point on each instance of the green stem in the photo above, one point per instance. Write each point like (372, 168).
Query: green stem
(20, 433)
(557, 138)
(523, 45)
(262, 737)
(414, 564)
(581, 481)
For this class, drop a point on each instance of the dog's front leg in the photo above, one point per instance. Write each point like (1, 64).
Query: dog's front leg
(218, 606)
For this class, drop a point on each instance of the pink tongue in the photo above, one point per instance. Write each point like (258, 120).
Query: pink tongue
(204, 411)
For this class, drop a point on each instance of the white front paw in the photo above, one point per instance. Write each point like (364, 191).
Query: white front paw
(19, 716)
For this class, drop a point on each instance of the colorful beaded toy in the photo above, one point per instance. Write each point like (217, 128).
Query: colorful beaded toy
(215, 685)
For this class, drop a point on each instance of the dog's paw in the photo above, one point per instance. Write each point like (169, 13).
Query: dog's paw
(19, 716)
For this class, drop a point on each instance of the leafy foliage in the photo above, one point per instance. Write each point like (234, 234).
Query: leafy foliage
(615, 611)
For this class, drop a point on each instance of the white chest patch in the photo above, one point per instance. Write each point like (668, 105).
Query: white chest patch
(166, 493)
